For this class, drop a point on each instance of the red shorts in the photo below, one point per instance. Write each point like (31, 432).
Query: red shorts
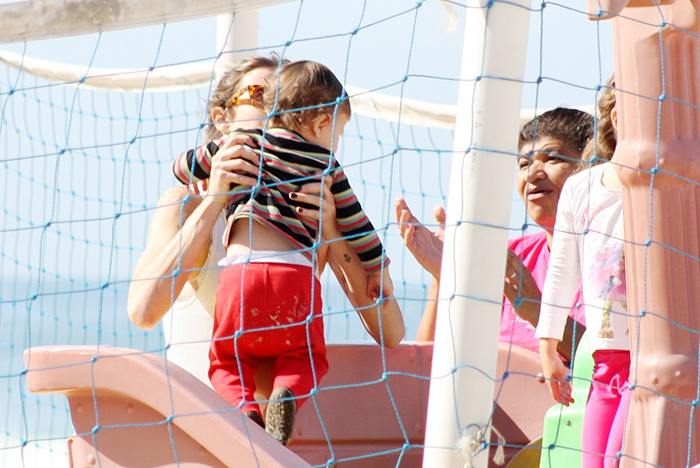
(267, 310)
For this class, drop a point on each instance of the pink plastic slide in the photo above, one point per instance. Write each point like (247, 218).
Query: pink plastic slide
(133, 409)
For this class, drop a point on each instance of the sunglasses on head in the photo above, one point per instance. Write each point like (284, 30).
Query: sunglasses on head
(254, 92)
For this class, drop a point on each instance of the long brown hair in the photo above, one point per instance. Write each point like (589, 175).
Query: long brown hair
(229, 84)
(603, 146)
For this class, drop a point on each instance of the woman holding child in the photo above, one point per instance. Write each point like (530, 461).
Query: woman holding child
(185, 249)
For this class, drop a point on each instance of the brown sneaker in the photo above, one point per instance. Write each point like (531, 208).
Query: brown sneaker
(255, 416)
(281, 411)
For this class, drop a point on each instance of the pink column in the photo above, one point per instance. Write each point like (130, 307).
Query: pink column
(657, 66)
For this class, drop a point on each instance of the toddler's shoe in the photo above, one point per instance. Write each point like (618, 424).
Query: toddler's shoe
(281, 411)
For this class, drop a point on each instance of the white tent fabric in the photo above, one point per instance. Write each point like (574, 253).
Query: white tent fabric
(194, 75)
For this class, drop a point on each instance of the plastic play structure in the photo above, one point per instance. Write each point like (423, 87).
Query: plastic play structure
(134, 409)
(125, 398)
(656, 71)
(561, 436)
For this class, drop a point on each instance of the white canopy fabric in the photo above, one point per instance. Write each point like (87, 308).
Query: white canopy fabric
(199, 74)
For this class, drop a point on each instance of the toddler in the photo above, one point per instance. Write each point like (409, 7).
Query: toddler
(268, 302)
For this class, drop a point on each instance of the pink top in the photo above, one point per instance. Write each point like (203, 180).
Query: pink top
(534, 252)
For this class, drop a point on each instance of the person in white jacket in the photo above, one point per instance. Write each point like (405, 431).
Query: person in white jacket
(589, 245)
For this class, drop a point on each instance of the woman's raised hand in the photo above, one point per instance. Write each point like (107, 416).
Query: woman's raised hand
(425, 245)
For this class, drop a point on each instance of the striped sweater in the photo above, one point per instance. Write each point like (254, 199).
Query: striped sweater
(288, 162)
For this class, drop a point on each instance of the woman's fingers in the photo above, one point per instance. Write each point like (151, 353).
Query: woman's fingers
(316, 186)
(237, 152)
(440, 219)
(238, 165)
(240, 170)
(195, 188)
(237, 139)
(309, 198)
(315, 193)
(405, 219)
(512, 268)
(319, 196)
(239, 178)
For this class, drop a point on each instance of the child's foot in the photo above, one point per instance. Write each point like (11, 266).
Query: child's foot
(255, 416)
(281, 411)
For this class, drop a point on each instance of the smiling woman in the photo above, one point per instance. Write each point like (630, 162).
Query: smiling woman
(551, 146)
(543, 169)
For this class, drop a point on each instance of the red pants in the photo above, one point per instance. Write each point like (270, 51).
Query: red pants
(261, 312)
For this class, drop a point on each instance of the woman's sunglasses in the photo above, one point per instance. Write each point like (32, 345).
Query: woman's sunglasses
(254, 92)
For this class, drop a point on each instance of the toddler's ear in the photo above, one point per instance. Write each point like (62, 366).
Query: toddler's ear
(320, 123)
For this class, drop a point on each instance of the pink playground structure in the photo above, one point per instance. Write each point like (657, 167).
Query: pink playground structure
(134, 409)
(657, 66)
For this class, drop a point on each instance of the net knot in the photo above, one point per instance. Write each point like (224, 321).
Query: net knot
(474, 442)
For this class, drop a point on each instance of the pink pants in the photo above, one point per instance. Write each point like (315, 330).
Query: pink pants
(606, 411)
(261, 312)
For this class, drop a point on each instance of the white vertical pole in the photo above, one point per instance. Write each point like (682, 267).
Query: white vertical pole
(480, 194)
(242, 37)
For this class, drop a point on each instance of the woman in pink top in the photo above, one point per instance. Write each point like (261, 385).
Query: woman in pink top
(550, 147)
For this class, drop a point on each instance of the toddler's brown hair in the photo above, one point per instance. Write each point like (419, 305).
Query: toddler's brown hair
(306, 90)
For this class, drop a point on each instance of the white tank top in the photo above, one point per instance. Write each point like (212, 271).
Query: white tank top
(188, 325)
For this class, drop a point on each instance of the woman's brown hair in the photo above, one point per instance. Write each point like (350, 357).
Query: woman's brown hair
(229, 84)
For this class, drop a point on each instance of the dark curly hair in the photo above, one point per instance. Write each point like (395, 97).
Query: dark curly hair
(574, 128)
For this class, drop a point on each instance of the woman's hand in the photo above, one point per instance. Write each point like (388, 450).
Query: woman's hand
(319, 195)
(179, 235)
(425, 245)
(234, 164)
(361, 289)
(520, 285)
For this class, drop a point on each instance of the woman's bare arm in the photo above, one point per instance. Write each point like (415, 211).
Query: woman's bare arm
(180, 234)
(385, 324)
(426, 329)
(178, 242)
